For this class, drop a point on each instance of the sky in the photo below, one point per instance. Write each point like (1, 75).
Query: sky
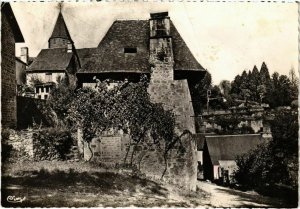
(225, 38)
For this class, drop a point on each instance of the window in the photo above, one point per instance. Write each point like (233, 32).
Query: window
(48, 77)
(42, 89)
(39, 96)
(130, 50)
(37, 90)
(47, 89)
(45, 96)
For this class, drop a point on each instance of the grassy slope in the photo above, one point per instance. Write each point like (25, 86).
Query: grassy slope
(62, 184)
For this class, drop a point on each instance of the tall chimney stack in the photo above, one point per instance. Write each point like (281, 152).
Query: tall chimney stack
(24, 54)
(69, 47)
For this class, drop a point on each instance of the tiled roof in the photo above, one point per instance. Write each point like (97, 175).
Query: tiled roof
(60, 29)
(109, 56)
(227, 147)
(56, 59)
(200, 138)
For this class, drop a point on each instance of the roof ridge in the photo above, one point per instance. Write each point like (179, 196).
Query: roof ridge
(131, 20)
(214, 136)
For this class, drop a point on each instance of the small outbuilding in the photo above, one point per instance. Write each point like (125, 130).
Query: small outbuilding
(220, 152)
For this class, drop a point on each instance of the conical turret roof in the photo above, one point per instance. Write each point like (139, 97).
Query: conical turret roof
(60, 29)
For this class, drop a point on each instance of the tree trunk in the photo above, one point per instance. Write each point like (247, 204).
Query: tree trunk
(166, 165)
(133, 151)
(127, 151)
(92, 154)
(141, 158)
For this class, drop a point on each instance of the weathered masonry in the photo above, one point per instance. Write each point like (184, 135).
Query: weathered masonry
(130, 49)
(10, 34)
(153, 47)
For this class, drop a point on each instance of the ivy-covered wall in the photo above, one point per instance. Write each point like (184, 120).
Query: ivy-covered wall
(147, 157)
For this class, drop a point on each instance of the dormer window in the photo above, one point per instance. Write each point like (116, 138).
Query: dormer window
(130, 50)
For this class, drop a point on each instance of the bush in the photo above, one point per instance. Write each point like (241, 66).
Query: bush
(275, 163)
(6, 148)
(52, 144)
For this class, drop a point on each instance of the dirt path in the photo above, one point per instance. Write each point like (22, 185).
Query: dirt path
(226, 197)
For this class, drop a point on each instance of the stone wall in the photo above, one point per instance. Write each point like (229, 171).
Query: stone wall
(58, 43)
(22, 142)
(41, 76)
(8, 75)
(147, 157)
(174, 95)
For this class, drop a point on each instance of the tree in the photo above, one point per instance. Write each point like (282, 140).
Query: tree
(199, 93)
(228, 123)
(261, 89)
(225, 87)
(281, 94)
(254, 83)
(60, 99)
(294, 83)
(125, 107)
(274, 162)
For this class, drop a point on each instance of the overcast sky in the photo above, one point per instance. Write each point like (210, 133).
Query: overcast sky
(226, 38)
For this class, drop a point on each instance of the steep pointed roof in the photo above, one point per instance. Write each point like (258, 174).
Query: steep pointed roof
(109, 55)
(60, 29)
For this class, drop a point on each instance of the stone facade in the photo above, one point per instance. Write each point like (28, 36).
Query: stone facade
(173, 94)
(148, 158)
(58, 43)
(8, 75)
(10, 34)
(44, 77)
(20, 72)
(22, 142)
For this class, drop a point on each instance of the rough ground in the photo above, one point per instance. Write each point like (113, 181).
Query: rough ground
(226, 197)
(79, 184)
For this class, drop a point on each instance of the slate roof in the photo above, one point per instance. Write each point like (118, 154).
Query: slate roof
(200, 138)
(109, 55)
(8, 12)
(227, 147)
(56, 59)
(60, 29)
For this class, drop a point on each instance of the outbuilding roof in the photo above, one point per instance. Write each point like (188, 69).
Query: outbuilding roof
(56, 59)
(200, 139)
(109, 56)
(227, 147)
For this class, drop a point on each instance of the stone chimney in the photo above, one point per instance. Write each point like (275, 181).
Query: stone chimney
(24, 54)
(161, 50)
(69, 47)
(159, 25)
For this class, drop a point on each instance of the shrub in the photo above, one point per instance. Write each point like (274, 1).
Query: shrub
(52, 144)
(275, 163)
(6, 148)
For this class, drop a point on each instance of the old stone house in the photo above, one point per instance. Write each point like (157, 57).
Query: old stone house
(10, 34)
(129, 49)
(154, 48)
(151, 47)
(59, 61)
